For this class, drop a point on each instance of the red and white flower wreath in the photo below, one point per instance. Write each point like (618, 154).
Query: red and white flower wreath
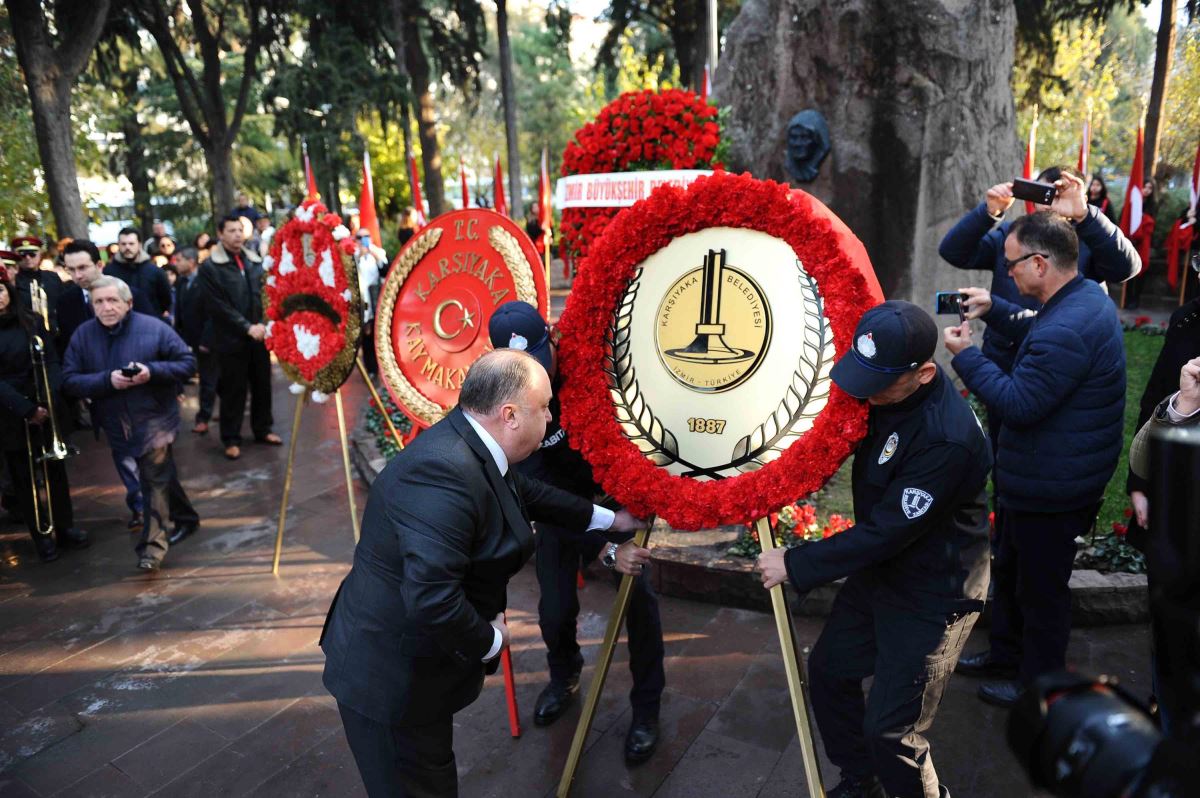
(722, 200)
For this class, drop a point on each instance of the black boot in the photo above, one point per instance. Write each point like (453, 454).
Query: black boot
(983, 666)
(857, 787)
(47, 549)
(642, 738)
(73, 538)
(555, 699)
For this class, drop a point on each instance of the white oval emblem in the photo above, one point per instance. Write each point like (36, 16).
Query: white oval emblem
(889, 448)
(866, 345)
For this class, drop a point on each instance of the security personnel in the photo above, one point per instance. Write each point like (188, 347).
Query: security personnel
(916, 562)
(518, 325)
(29, 271)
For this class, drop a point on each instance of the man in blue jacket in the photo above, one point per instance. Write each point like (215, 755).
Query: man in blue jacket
(130, 365)
(1062, 410)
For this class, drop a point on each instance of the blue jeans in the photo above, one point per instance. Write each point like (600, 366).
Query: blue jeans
(127, 470)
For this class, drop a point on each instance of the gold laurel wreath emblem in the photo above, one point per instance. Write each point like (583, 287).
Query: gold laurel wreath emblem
(793, 417)
(505, 243)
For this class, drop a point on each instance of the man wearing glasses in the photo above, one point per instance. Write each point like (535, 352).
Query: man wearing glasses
(29, 270)
(1061, 409)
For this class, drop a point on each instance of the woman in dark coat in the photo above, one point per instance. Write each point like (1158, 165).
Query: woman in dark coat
(18, 407)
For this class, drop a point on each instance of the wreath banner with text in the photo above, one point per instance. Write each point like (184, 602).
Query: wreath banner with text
(639, 131)
(311, 298)
(696, 348)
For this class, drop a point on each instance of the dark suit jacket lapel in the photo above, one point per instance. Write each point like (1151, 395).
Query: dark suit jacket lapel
(508, 500)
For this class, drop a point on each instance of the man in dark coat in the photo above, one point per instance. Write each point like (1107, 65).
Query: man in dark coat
(130, 365)
(420, 617)
(915, 561)
(1061, 417)
(29, 271)
(196, 328)
(132, 266)
(231, 284)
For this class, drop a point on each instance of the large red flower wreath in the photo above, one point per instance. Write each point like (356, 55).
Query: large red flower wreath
(638, 131)
(722, 200)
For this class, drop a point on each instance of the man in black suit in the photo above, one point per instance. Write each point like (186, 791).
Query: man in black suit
(231, 284)
(420, 617)
(195, 327)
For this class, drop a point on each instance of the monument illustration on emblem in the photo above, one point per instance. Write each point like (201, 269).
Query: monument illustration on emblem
(709, 345)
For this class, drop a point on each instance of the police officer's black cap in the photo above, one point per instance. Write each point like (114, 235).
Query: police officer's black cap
(518, 325)
(890, 340)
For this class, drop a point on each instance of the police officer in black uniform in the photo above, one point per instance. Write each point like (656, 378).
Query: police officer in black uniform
(518, 325)
(916, 561)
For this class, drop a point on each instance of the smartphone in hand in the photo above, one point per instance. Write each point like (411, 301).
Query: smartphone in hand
(1033, 191)
(948, 303)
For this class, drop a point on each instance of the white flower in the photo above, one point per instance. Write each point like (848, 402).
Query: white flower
(307, 342)
(340, 232)
(268, 263)
(346, 295)
(271, 279)
(286, 264)
(319, 397)
(296, 389)
(326, 268)
(305, 214)
(270, 326)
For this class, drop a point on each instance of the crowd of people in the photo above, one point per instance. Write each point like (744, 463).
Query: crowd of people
(122, 329)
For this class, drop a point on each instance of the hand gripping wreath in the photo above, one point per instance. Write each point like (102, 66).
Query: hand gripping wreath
(312, 301)
(651, 366)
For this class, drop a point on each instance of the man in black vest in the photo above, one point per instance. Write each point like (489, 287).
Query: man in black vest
(420, 617)
(231, 283)
(132, 266)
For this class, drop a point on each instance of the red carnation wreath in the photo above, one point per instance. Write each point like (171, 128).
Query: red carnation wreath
(312, 301)
(721, 200)
(638, 131)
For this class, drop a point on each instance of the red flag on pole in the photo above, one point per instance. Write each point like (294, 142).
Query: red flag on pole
(544, 217)
(462, 171)
(1179, 240)
(310, 182)
(498, 183)
(1030, 150)
(367, 218)
(418, 203)
(1085, 142)
(1131, 211)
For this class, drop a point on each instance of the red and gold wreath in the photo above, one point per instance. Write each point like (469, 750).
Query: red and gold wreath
(638, 131)
(311, 297)
(721, 200)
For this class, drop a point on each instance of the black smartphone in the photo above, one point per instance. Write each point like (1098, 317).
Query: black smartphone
(1033, 191)
(948, 303)
(130, 371)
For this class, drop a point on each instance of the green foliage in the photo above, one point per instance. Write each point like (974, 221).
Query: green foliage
(23, 202)
(378, 427)
(1182, 110)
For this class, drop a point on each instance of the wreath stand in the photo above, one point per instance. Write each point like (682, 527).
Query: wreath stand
(793, 666)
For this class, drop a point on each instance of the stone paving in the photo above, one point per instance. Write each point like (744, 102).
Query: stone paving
(204, 679)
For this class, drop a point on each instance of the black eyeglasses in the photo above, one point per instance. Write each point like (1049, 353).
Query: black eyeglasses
(1008, 264)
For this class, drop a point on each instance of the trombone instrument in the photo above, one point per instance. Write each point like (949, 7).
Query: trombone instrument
(50, 443)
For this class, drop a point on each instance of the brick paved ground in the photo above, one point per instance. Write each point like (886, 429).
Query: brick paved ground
(204, 680)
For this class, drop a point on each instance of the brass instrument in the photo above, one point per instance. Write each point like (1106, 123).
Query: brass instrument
(50, 443)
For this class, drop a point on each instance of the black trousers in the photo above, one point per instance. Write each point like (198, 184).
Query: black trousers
(206, 362)
(911, 655)
(403, 761)
(1031, 603)
(60, 491)
(558, 563)
(163, 499)
(250, 370)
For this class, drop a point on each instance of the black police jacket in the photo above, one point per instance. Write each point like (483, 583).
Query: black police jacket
(920, 506)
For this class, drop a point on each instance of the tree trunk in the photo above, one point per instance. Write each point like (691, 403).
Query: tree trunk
(418, 69)
(135, 171)
(1164, 51)
(220, 169)
(406, 128)
(916, 96)
(687, 36)
(516, 206)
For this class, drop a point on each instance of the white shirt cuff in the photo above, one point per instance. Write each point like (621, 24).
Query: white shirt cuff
(497, 642)
(1174, 415)
(602, 517)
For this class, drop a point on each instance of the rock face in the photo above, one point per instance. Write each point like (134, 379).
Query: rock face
(917, 97)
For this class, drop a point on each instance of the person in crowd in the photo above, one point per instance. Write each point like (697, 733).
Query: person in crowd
(149, 284)
(371, 262)
(158, 231)
(916, 561)
(195, 326)
(1061, 411)
(1098, 197)
(138, 411)
(203, 244)
(1181, 344)
(8, 265)
(408, 225)
(165, 249)
(1141, 240)
(533, 228)
(20, 411)
(30, 271)
(111, 252)
(264, 231)
(420, 617)
(243, 209)
(560, 552)
(231, 283)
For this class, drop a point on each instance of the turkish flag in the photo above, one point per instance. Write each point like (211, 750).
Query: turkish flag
(501, 205)
(367, 218)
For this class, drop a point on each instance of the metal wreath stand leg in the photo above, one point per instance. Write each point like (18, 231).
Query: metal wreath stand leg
(792, 663)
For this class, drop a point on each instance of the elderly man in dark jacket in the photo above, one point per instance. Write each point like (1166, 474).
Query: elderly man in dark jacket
(130, 365)
(1062, 411)
(231, 284)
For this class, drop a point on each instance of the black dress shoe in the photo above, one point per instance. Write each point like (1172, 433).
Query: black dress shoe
(73, 538)
(641, 740)
(554, 700)
(47, 549)
(982, 666)
(182, 531)
(149, 564)
(1000, 694)
(857, 787)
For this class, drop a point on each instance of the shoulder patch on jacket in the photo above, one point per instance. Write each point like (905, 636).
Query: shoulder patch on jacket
(915, 502)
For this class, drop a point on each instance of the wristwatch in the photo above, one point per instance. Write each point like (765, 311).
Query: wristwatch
(609, 558)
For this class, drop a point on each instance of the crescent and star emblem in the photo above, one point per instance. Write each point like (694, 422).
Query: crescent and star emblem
(467, 320)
